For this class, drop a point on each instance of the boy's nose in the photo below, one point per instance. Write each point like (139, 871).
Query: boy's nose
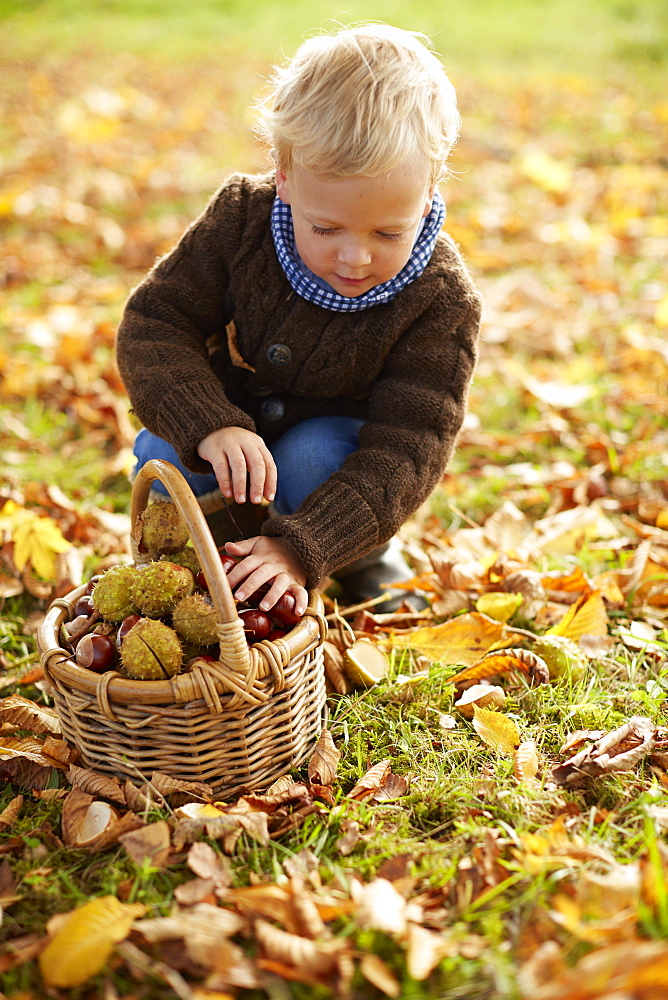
(355, 255)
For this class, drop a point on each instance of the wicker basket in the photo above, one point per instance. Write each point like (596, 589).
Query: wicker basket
(239, 722)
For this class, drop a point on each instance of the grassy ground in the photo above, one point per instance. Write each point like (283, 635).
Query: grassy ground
(119, 120)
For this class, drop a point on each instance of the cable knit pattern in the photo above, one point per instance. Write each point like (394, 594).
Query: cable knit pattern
(404, 367)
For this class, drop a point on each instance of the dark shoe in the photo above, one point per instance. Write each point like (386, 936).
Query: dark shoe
(363, 579)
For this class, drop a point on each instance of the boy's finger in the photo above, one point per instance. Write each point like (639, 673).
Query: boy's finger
(271, 479)
(222, 474)
(257, 473)
(239, 473)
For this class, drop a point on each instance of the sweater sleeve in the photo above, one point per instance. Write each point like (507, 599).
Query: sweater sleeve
(162, 340)
(416, 410)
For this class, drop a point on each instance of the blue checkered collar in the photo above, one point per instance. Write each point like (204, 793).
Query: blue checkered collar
(315, 290)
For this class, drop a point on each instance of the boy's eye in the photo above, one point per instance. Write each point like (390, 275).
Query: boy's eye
(391, 236)
(320, 231)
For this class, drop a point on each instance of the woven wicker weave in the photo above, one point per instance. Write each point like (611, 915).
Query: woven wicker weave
(239, 722)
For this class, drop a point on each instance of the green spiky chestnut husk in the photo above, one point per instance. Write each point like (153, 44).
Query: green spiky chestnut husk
(562, 655)
(161, 529)
(185, 557)
(151, 651)
(194, 619)
(159, 587)
(112, 594)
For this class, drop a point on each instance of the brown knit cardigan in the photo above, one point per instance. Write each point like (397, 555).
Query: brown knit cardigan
(404, 367)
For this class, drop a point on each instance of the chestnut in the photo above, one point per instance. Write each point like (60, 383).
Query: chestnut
(96, 652)
(284, 610)
(257, 625)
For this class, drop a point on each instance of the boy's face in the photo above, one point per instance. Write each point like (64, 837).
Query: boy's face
(356, 232)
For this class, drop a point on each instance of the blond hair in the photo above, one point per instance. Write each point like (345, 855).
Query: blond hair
(359, 102)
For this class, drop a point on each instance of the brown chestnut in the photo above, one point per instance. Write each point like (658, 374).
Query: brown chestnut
(96, 652)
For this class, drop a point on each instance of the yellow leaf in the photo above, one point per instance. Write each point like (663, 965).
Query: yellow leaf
(462, 640)
(499, 605)
(586, 617)
(85, 940)
(545, 171)
(37, 540)
(496, 730)
(661, 312)
(526, 761)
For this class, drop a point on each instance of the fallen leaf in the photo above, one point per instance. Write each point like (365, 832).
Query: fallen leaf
(496, 730)
(619, 750)
(25, 714)
(586, 617)
(498, 605)
(502, 662)
(148, 845)
(85, 939)
(463, 640)
(324, 760)
(371, 781)
(379, 974)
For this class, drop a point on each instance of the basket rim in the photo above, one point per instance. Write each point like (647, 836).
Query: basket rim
(58, 662)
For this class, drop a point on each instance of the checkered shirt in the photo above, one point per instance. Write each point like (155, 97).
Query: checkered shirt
(315, 290)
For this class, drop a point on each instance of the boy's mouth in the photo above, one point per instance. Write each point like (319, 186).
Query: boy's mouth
(352, 282)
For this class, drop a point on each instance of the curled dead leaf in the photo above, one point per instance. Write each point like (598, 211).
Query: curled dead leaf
(619, 750)
(371, 781)
(324, 760)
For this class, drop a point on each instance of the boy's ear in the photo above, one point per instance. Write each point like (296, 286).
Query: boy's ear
(282, 186)
(430, 198)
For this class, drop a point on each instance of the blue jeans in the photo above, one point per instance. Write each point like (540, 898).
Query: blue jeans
(305, 456)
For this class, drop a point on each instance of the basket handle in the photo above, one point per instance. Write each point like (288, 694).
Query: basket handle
(234, 652)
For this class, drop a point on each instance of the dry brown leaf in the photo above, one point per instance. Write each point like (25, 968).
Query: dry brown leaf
(28, 748)
(619, 750)
(168, 786)
(379, 906)
(316, 959)
(371, 781)
(141, 799)
(18, 950)
(200, 926)
(425, 949)
(96, 784)
(394, 786)
(324, 760)
(11, 811)
(205, 862)
(270, 901)
(501, 662)
(379, 974)
(60, 750)
(74, 809)
(148, 845)
(496, 730)
(455, 574)
(308, 917)
(635, 968)
(350, 838)
(25, 714)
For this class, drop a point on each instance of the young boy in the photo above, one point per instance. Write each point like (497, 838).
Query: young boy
(311, 339)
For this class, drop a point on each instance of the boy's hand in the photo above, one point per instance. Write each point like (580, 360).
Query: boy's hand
(235, 453)
(264, 560)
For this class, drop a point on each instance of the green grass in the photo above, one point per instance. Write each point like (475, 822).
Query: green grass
(485, 36)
